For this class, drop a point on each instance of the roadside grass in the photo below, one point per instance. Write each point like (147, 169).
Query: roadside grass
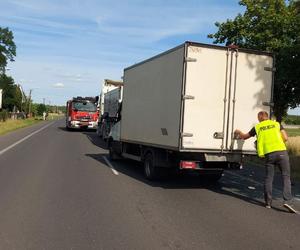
(11, 125)
(295, 167)
(293, 131)
(293, 146)
(55, 116)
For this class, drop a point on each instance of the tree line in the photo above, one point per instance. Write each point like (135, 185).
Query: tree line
(268, 25)
(13, 97)
(11, 93)
(273, 26)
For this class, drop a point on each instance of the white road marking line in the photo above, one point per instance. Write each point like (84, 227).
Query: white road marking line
(250, 180)
(111, 166)
(23, 139)
(258, 183)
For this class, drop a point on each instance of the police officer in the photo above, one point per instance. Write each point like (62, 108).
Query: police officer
(271, 139)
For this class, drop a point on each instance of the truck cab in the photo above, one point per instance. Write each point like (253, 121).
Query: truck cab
(82, 113)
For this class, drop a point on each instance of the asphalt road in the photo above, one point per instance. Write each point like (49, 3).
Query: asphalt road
(57, 191)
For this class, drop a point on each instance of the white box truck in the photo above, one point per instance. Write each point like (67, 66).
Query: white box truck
(109, 101)
(180, 108)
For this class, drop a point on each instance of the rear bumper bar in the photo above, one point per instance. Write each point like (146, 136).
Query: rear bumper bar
(80, 124)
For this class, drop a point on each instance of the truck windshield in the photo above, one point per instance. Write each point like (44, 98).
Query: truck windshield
(84, 106)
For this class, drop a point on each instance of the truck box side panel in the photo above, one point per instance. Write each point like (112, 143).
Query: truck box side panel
(105, 89)
(152, 100)
(111, 101)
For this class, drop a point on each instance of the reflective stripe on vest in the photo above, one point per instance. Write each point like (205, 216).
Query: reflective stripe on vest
(268, 138)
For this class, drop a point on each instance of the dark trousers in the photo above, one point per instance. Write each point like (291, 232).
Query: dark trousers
(280, 159)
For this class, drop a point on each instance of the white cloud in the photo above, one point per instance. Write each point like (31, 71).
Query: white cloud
(58, 85)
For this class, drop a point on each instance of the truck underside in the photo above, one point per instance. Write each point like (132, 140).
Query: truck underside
(159, 161)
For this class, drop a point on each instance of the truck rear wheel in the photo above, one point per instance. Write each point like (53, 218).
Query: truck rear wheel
(150, 170)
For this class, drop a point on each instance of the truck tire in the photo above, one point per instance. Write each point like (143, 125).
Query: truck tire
(113, 156)
(67, 127)
(150, 170)
(98, 132)
(104, 138)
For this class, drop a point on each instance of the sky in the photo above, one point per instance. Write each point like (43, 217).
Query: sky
(67, 48)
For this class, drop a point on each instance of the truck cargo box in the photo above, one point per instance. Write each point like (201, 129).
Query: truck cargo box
(193, 97)
(112, 101)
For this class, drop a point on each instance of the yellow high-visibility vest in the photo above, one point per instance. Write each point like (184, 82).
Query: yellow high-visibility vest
(268, 138)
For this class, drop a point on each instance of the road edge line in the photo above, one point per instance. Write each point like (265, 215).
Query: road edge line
(115, 172)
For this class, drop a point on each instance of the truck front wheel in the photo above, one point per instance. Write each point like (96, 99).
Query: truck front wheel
(67, 127)
(112, 153)
(150, 170)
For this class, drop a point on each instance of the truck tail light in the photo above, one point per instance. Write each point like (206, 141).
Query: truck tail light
(188, 165)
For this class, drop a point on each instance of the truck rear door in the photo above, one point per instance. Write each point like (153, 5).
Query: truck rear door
(224, 89)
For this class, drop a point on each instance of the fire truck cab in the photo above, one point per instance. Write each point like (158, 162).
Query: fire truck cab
(82, 113)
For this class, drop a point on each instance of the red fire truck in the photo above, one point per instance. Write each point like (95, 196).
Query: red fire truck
(82, 113)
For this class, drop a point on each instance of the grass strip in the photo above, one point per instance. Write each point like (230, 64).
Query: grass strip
(293, 147)
(12, 125)
(293, 131)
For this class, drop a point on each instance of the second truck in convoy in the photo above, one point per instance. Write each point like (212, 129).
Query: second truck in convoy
(180, 108)
(110, 101)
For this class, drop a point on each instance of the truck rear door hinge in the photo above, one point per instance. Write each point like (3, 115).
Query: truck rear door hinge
(190, 59)
(188, 97)
(182, 134)
(270, 69)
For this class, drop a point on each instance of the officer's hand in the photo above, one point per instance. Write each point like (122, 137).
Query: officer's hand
(237, 133)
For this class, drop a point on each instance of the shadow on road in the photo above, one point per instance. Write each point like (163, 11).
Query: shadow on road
(69, 130)
(230, 184)
(226, 186)
(90, 134)
(95, 139)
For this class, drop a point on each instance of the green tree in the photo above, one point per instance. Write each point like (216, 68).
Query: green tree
(274, 26)
(12, 95)
(34, 109)
(7, 48)
(41, 108)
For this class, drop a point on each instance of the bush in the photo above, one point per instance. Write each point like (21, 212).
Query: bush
(293, 145)
(41, 108)
(3, 115)
(292, 120)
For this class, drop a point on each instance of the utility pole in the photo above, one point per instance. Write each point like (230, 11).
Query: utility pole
(29, 104)
(1, 91)
(23, 99)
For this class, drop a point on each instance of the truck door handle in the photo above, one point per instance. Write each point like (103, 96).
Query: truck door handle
(218, 135)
